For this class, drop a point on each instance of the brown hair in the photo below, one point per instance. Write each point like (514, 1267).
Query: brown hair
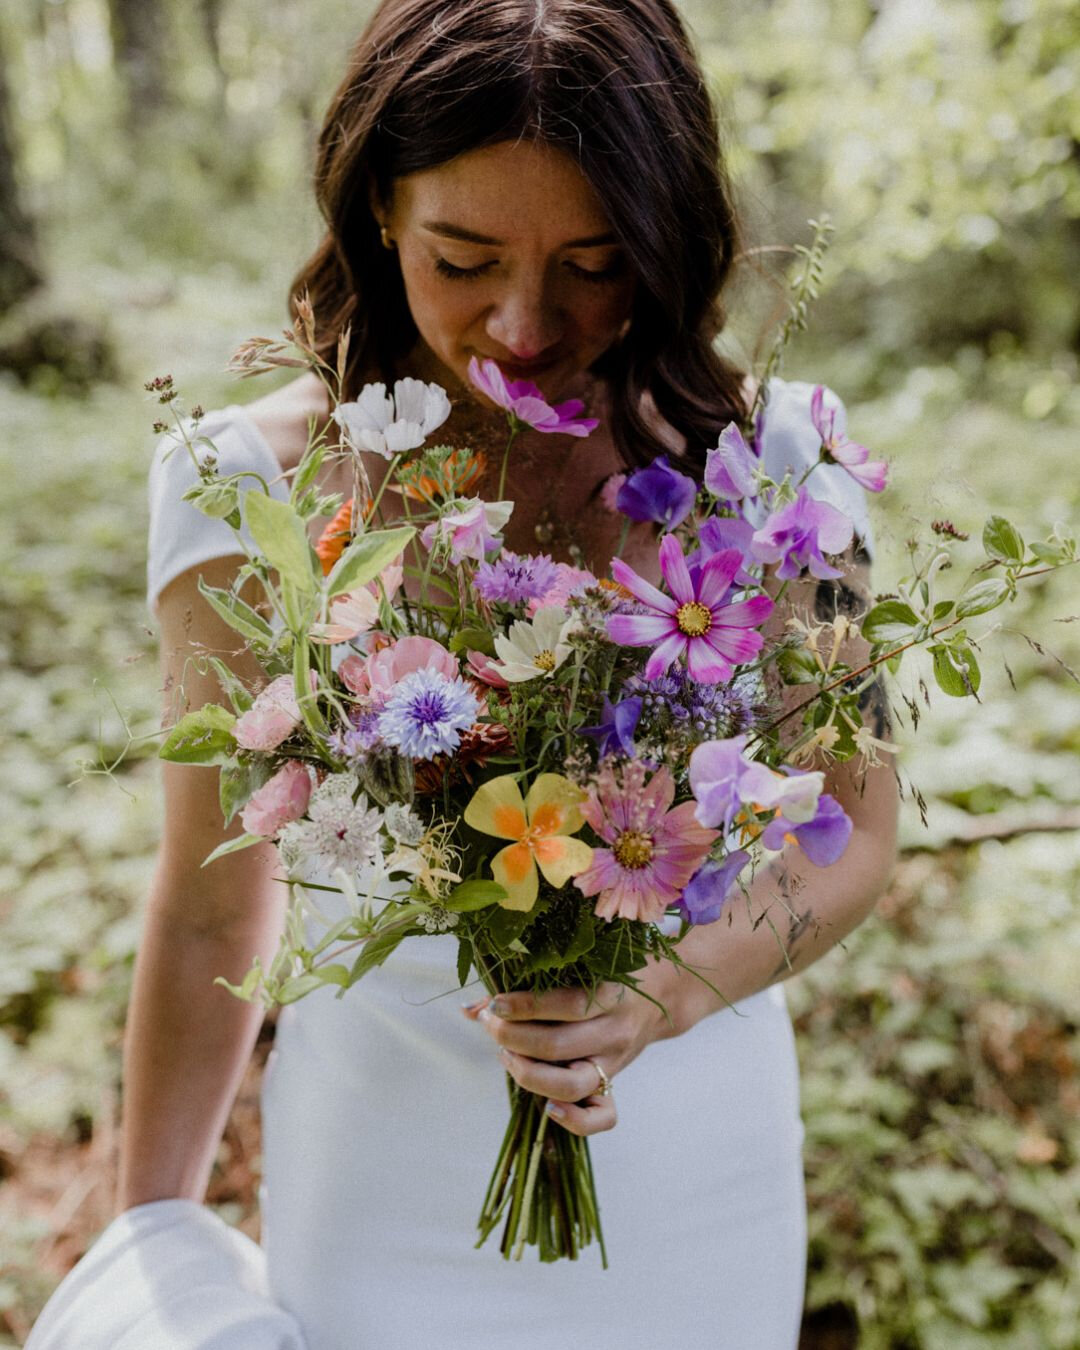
(617, 84)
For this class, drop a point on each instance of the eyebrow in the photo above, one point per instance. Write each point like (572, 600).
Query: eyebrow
(450, 231)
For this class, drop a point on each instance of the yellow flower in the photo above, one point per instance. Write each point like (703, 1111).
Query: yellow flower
(539, 826)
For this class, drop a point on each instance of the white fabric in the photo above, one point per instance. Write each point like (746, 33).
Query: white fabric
(168, 1275)
(180, 535)
(383, 1112)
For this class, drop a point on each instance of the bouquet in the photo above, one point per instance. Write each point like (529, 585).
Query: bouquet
(559, 771)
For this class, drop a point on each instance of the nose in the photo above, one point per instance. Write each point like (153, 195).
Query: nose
(525, 323)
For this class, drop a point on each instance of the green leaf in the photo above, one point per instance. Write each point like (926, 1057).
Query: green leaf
(942, 610)
(376, 950)
(797, 666)
(236, 783)
(246, 989)
(983, 596)
(237, 693)
(241, 841)
(472, 895)
(479, 639)
(297, 986)
(280, 535)
(201, 737)
(216, 500)
(464, 961)
(889, 623)
(237, 615)
(305, 473)
(951, 665)
(366, 557)
(1003, 541)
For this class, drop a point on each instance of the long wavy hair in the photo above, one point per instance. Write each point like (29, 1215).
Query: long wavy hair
(614, 83)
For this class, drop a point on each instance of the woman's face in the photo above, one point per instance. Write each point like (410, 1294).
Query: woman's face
(506, 253)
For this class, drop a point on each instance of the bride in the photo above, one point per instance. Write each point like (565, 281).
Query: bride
(538, 182)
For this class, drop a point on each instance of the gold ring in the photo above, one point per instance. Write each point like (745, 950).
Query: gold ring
(604, 1088)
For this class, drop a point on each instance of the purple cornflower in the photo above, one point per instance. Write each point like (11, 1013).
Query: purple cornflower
(693, 621)
(829, 424)
(616, 730)
(516, 577)
(799, 534)
(704, 898)
(426, 714)
(731, 469)
(823, 839)
(524, 401)
(658, 493)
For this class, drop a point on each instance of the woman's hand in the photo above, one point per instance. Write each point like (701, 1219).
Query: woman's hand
(551, 1044)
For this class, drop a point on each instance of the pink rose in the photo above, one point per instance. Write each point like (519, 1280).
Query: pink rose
(283, 798)
(271, 718)
(386, 667)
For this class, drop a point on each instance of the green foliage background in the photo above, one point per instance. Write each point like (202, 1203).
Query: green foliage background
(939, 1045)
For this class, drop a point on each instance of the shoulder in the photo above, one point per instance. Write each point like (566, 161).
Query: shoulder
(282, 417)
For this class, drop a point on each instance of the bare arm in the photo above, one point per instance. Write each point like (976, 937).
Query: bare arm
(187, 1040)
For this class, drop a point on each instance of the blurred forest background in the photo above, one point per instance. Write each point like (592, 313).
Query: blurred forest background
(154, 204)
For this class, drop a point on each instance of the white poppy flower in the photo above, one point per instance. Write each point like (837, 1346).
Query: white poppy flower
(534, 650)
(390, 425)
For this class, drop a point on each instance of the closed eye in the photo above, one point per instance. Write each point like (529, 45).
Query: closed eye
(449, 270)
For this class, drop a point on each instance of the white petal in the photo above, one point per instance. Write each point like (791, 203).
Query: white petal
(376, 405)
(403, 435)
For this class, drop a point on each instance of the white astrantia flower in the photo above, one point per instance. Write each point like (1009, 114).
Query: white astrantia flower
(343, 832)
(533, 650)
(437, 919)
(403, 824)
(388, 424)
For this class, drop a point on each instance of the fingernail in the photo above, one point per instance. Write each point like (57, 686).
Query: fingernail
(472, 1007)
(554, 1109)
(499, 1006)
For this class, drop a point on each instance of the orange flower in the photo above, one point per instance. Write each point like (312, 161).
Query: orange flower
(336, 537)
(458, 472)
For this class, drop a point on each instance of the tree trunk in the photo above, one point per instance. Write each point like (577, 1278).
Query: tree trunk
(140, 35)
(20, 266)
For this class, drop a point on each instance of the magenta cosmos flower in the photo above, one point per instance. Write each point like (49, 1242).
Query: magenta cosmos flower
(654, 851)
(829, 424)
(525, 401)
(694, 622)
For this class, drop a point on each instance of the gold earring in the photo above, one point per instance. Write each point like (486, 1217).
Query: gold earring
(384, 235)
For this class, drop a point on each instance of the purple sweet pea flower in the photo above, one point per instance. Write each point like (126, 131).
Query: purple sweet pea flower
(523, 400)
(823, 839)
(722, 779)
(731, 469)
(829, 424)
(799, 534)
(616, 731)
(693, 622)
(704, 898)
(658, 493)
(719, 533)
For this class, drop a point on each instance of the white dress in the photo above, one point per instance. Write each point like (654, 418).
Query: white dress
(382, 1116)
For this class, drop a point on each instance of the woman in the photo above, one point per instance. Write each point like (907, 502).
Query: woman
(538, 182)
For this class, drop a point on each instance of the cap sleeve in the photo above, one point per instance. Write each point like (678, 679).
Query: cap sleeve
(789, 440)
(180, 535)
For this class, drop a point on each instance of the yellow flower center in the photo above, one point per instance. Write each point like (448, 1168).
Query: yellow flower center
(544, 660)
(694, 619)
(633, 849)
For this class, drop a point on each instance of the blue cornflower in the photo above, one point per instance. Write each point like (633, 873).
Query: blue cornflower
(426, 714)
(516, 577)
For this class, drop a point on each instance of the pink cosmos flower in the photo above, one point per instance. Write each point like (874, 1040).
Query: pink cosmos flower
(484, 669)
(272, 718)
(654, 850)
(525, 401)
(355, 612)
(694, 622)
(829, 424)
(280, 800)
(377, 674)
(570, 581)
(471, 531)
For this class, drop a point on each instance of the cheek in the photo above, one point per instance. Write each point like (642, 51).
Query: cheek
(603, 314)
(439, 311)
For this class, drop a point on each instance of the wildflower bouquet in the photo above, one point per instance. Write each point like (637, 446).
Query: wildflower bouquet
(558, 770)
